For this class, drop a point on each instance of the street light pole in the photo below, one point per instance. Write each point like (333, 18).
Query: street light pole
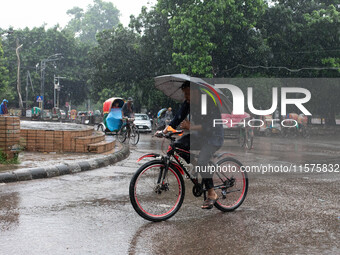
(57, 90)
(53, 57)
(54, 91)
(42, 82)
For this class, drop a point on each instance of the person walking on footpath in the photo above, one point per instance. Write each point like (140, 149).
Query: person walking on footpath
(3, 107)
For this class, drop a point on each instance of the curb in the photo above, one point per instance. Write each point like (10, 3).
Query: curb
(26, 174)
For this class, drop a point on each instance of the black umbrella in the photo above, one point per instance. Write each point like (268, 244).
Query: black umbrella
(171, 84)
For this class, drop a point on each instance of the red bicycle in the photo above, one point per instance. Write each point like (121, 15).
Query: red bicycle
(157, 188)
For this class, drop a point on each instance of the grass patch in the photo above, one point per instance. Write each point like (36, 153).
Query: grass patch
(5, 161)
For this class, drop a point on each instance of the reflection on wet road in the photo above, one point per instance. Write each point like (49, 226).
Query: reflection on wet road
(90, 212)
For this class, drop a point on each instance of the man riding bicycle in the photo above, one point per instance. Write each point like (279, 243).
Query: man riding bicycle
(203, 135)
(127, 108)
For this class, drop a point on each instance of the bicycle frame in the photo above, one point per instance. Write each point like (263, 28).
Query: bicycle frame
(167, 160)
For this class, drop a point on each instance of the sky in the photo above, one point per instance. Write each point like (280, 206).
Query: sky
(34, 13)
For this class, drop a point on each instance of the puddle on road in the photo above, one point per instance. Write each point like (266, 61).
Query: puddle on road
(9, 214)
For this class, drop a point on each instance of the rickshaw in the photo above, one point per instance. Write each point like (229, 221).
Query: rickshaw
(298, 125)
(269, 126)
(82, 117)
(73, 115)
(56, 114)
(36, 113)
(114, 123)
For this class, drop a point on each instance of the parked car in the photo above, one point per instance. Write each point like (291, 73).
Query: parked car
(143, 122)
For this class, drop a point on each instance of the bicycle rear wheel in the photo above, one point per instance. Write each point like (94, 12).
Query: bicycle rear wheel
(134, 135)
(153, 201)
(231, 184)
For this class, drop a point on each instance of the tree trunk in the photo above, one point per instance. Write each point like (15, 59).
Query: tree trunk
(18, 77)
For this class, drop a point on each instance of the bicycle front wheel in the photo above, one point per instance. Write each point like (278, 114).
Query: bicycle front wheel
(231, 184)
(134, 135)
(305, 132)
(152, 200)
(122, 134)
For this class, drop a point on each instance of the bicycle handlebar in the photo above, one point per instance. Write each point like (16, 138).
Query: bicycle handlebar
(169, 134)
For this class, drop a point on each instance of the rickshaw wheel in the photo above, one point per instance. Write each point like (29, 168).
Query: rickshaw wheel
(122, 133)
(241, 137)
(101, 128)
(241, 140)
(305, 132)
(249, 139)
(267, 132)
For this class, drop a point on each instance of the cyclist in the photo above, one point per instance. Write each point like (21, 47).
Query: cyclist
(203, 135)
(127, 108)
(168, 115)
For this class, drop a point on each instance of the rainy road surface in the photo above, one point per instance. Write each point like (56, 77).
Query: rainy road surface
(90, 212)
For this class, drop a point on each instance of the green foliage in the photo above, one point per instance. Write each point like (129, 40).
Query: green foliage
(5, 90)
(98, 17)
(5, 161)
(115, 60)
(332, 62)
(223, 38)
(38, 44)
(206, 32)
(302, 34)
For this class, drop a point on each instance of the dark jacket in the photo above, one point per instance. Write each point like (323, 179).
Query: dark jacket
(209, 134)
(126, 111)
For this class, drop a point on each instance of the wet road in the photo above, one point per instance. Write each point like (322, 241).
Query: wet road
(90, 212)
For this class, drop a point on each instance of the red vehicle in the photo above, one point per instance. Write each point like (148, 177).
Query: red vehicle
(114, 123)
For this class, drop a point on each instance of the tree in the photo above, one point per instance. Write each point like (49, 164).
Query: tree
(203, 32)
(98, 17)
(115, 60)
(38, 44)
(156, 42)
(305, 35)
(126, 60)
(156, 48)
(5, 90)
(300, 36)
